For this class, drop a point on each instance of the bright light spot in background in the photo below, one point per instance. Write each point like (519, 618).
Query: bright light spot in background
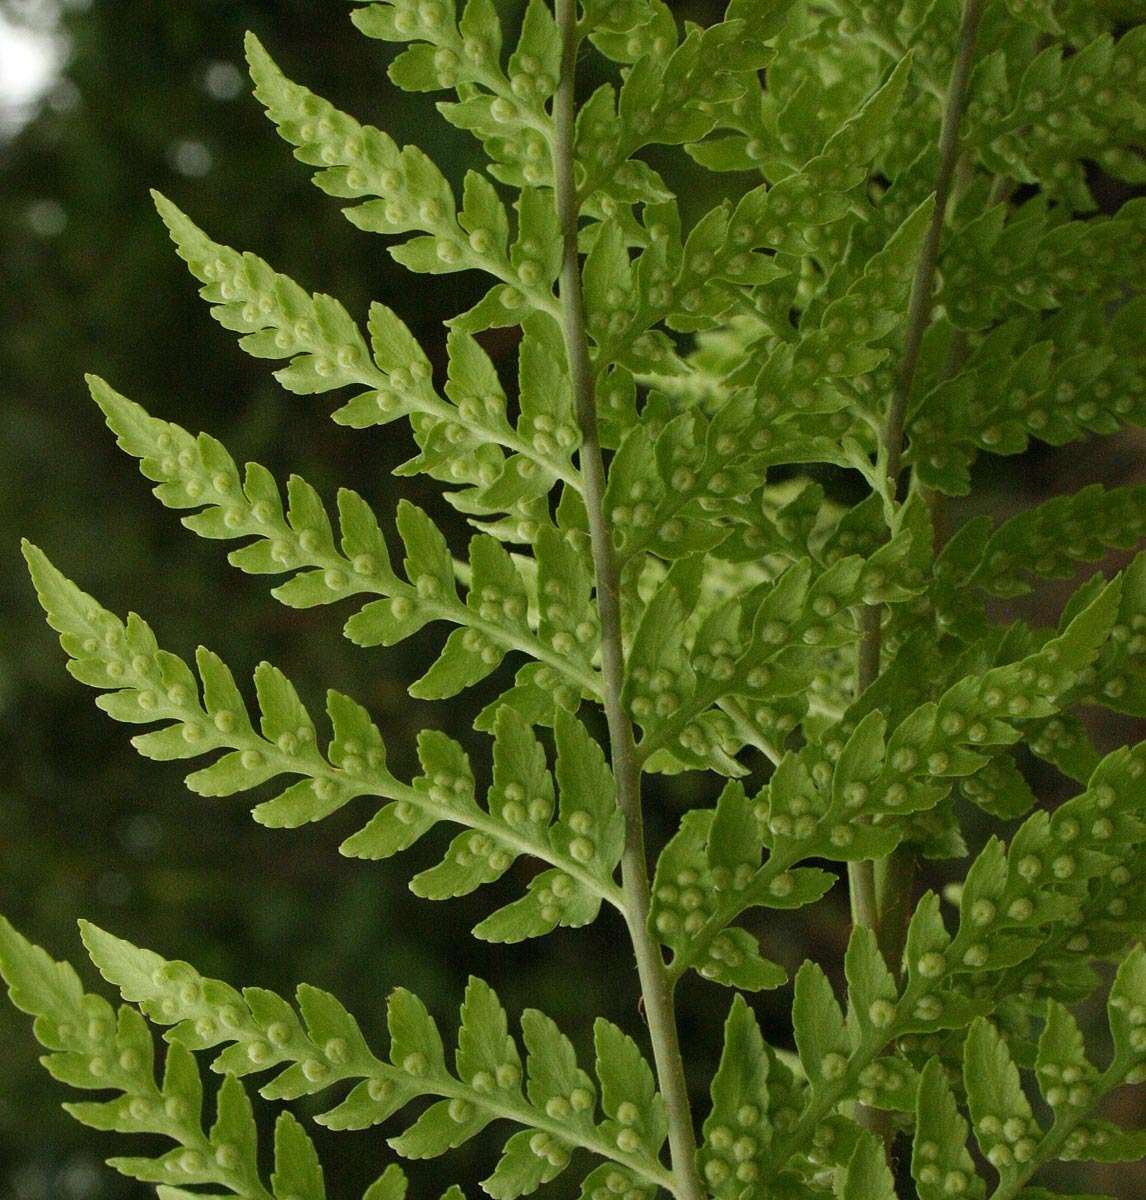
(27, 63)
(46, 218)
(223, 80)
(190, 157)
(30, 56)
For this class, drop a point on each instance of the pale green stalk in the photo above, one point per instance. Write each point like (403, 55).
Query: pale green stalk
(881, 892)
(656, 989)
(866, 903)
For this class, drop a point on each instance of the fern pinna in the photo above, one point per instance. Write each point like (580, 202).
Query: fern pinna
(911, 273)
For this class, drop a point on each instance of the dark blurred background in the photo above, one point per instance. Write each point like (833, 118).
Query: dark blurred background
(99, 100)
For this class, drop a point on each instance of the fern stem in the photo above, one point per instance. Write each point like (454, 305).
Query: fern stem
(880, 893)
(656, 989)
(866, 906)
(923, 285)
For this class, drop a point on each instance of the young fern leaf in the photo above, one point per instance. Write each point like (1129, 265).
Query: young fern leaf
(629, 1095)
(941, 1164)
(328, 352)
(821, 1034)
(505, 110)
(1001, 1116)
(810, 806)
(743, 651)
(711, 863)
(144, 685)
(95, 1047)
(737, 1130)
(1008, 1134)
(1050, 540)
(867, 1175)
(408, 194)
(1014, 902)
(1118, 681)
(276, 317)
(198, 473)
(319, 1045)
(1058, 399)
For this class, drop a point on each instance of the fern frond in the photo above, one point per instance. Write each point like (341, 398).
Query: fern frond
(458, 433)
(1009, 1135)
(1012, 899)
(860, 802)
(198, 473)
(908, 274)
(318, 1045)
(408, 194)
(744, 648)
(94, 1047)
(505, 109)
(1047, 541)
(277, 317)
(1020, 383)
(144, 684)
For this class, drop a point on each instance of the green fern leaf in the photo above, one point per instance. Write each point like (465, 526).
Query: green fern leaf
(737, 1130)
(259, 1031)
(940, 1163)
(93, 1047)
(867, 1176)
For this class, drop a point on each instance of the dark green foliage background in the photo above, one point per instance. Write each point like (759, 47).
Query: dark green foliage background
(86, 828)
